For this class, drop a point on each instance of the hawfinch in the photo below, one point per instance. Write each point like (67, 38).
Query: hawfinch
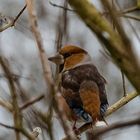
(83, 88)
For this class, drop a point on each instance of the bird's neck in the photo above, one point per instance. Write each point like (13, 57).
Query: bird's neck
(76, 60)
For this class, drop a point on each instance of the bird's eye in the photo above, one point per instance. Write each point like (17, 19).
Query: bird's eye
(5, 19)
(1, 22)
(67, 55)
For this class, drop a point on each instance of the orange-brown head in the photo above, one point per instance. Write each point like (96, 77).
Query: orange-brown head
(70, 56)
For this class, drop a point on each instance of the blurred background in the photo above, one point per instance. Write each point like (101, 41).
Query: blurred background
(17, 44)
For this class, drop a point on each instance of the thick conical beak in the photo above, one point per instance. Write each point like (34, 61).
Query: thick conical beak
(57, 59)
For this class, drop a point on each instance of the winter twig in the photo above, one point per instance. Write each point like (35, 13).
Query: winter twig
(31, 102)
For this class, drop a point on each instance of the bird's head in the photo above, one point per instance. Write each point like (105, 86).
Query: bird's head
(70, 56)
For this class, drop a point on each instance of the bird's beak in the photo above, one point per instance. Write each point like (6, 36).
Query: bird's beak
(57, 59)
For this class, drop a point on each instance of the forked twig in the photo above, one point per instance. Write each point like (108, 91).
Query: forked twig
(17, 114)
(7, 22)
(18, 125)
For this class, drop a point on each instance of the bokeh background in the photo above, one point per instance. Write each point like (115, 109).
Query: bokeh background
(18, 46)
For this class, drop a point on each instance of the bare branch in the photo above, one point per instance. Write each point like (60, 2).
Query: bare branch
(124, 100)
(38, 38)
(17, 113)
(117, 125)
(16, 76)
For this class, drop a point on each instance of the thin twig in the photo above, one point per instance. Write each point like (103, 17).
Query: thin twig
(114, 27)
(31, 136)
(15, 76)
(9, 127)
(6, 105)
(117, 125)
(37, 35)
(134, 30)
(59, 6)
(65, 19)
(19, 14)
(130, 10)
(61, 33)
(137, 18)
(121, 102)
(31, 102)
(17, 113)
(123, 83)
(123, 15)
(118, 25)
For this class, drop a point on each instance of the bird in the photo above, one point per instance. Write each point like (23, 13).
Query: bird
(81, 84)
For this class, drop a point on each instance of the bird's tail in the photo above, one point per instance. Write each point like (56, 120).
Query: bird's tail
(101, 124)
(89, 94)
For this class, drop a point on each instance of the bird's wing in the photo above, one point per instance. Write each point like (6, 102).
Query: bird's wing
(72, 80)
(70, 91)
(89, 94)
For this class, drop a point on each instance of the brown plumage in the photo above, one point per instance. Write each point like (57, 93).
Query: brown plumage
(89, 94)
(82, 85)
